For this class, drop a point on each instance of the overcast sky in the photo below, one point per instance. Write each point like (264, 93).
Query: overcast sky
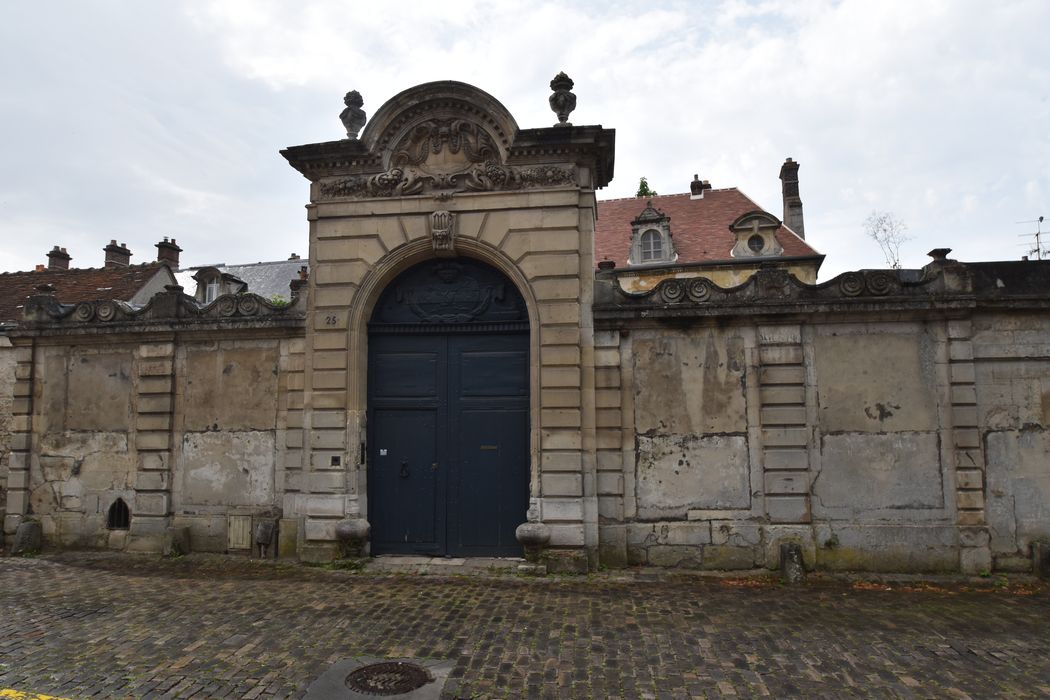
(138, 120)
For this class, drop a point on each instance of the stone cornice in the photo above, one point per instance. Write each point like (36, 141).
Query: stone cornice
(944, 288)
(167, 310)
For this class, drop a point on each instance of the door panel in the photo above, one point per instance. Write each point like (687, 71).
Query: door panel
(491, 483)
(489, 480)
(404, 483)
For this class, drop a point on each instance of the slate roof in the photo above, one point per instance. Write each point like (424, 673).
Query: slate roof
(263, 278)
(699, 227)
(74, 285)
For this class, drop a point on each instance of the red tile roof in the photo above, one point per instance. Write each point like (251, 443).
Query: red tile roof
(74, 285)
(699, 227)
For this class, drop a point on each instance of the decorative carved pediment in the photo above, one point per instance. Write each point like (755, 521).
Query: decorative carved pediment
(478, 177)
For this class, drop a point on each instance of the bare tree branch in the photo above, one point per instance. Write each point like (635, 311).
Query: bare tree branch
(889, 232)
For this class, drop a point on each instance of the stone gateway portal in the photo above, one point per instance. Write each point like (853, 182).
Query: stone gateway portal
(448, 401)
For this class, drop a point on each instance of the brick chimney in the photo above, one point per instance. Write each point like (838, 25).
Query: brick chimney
(168, 252)
(697, 187)
(792, 202)
(58, 259)
(117, 255)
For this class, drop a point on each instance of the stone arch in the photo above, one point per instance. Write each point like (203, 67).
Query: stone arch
(367, 295)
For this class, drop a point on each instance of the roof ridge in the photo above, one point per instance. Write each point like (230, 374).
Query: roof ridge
(83, 269)
(676, 194)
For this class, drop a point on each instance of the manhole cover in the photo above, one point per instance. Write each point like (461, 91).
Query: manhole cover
(388, 678)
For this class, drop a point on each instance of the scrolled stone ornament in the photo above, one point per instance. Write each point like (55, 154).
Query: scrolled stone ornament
(672, 291)
(851, 284)
(84, 312)
(563, 101)
(699, 290)
(879, 283)
(106, 311)
(226, 306)
(248, 306)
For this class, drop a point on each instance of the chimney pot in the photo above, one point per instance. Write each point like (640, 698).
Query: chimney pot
(58, 259)
(168, 252)
(117, 256)
(696, 187)
(792, 201)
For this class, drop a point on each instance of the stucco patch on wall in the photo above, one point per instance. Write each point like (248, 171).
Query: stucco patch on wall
(876, 476)
(1018, 487)
(228, 468)
(879, 386)
(677, 473)
(231, 389)
(689, 384)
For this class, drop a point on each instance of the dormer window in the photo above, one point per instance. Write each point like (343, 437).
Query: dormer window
(651, 242)
(211, 291)
(755, 234)
(652, 246)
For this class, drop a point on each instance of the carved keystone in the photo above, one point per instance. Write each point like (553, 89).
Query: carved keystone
(443, 233)
(792, 568)
(352, 535)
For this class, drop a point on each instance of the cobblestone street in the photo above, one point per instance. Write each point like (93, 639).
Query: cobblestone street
(115, 626)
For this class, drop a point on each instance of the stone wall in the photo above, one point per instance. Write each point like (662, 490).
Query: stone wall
(183, 432)
(899, 429)
(7, 385)
(1011, 360)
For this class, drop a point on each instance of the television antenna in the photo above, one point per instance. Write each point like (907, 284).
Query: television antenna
(1036, 248)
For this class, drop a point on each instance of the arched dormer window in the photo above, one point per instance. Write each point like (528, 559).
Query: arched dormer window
(651, 241)
(652, 246)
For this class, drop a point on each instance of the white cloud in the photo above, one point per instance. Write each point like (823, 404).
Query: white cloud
(936, 111)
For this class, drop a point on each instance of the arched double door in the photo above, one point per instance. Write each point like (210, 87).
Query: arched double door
(448, 402)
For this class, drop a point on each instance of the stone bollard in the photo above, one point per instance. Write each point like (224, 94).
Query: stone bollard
(792, 567)
(533, 536)
(177, 541)
(1041, 559)
(29, 538)
(264, 536)
(352, 535)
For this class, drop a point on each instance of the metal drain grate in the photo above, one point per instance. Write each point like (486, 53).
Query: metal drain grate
(388, 678)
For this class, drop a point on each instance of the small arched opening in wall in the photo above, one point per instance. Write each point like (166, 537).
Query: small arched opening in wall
(118, 517)
(483, 390)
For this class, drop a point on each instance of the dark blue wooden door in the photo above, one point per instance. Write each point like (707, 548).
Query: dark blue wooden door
(448, 409)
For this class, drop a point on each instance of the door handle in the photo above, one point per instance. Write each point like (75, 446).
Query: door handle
(404, 469)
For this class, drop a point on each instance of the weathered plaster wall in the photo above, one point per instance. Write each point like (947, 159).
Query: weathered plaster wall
(641, 280)
(1012, 362)
(229, 435)
(82, 461)
(7, 385)
(864, 440)
(186, 433)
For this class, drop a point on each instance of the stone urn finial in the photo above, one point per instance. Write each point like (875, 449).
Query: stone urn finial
(353, 117)
(563, 101)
